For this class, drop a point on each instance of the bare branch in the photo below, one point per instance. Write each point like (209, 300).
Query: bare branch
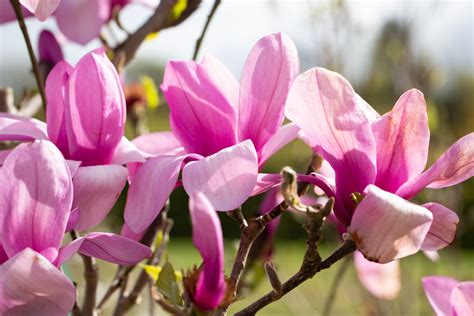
(206, 26)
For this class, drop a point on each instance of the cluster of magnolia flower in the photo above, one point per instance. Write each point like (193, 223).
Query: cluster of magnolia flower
(68, 172)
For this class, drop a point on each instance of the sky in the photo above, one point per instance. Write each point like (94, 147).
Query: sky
(443, 30)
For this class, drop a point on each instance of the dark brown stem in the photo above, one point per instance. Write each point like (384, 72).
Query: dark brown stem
(204, 30)
(91, 278)
(307, 271)
(160, 20)
(335, 286)
(156, 296)
(128, 301)
(34, 63)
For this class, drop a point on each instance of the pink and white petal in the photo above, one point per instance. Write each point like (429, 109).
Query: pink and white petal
(3, 155)
(73, 166)
(462, 299)
(42, 9)
(202, 116)
(96, 189)
(7, 14)
(18, 128)
(159, 143)
(328, 173)
(69, 14)
(127, 232)
(437, 290)
(326, 108)
(226, 178)
(402, 137)
(127, 152)
(31, 285)
(454, 166)
(36, 192)
(381, 280)
(266, 181)
(114, 248)
(55, 88)
(386, 227)
(269, 71)
(207, 237)
(72, 221)
(369, 111)
(151, 186)
(433, 255)
(95, 111)
(283, 136)
(443, 229)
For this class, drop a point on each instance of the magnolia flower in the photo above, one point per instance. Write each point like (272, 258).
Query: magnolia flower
(71, 14)
(382, 157)
(448, 296)
(35, 211)
(229, 131)
(207, 237)
(85, 120)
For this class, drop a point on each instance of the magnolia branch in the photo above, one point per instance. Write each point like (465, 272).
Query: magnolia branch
(161, 19)
(206, 26)
(34, 63)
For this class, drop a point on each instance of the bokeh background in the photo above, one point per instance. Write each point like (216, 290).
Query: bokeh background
(383, 47)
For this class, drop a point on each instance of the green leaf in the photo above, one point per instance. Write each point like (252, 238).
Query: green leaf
(152, 271)
(167, 284)
(151, 92)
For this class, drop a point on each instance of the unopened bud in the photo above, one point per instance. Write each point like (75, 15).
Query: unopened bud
(273, 278)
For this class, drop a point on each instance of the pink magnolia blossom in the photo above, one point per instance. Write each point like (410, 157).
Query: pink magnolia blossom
(71, 14)
(85, 118)
(449, 297)
(207, 237)
(49, 52)
(35, 211)
(382, 157)
(228, 130)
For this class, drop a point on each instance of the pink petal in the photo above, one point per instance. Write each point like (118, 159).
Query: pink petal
(207, 237)
(454, 166)
(265, 182)
(283, 136)
(7, 13)
(31, 285)
(96, 189)
(18, 128)
(73, 166)
(438, 290)
(402, 137)
(443, 228)
(95, 111)
(127, 232)
(369, 111)
(35, 200)
(326, 108)
(159, 143)
(381, 280)
(109, 247)
(127, 152)
(70, 14)
(386, 227)
(149, 190)
(73, 219)
(462, 299)
(3, 155)
(269, 71)
(3, 255)
(227, 178)
(56, 86)
(49, 50)
(202, 117)
(42, 9)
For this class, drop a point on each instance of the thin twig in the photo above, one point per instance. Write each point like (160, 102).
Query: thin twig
(128, 301)
(156, 296)
(335, 286)
(204, 30)
(34, 63)
(161, 19)
(307, 271)
(91, 277)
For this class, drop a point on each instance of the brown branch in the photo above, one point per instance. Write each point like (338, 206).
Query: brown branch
(91, 277)
(161, 19)
(308, 269)
(122, 271)
(156, 296)
(34, 63)
(128, 301)
(206, 26)
(335, 286)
